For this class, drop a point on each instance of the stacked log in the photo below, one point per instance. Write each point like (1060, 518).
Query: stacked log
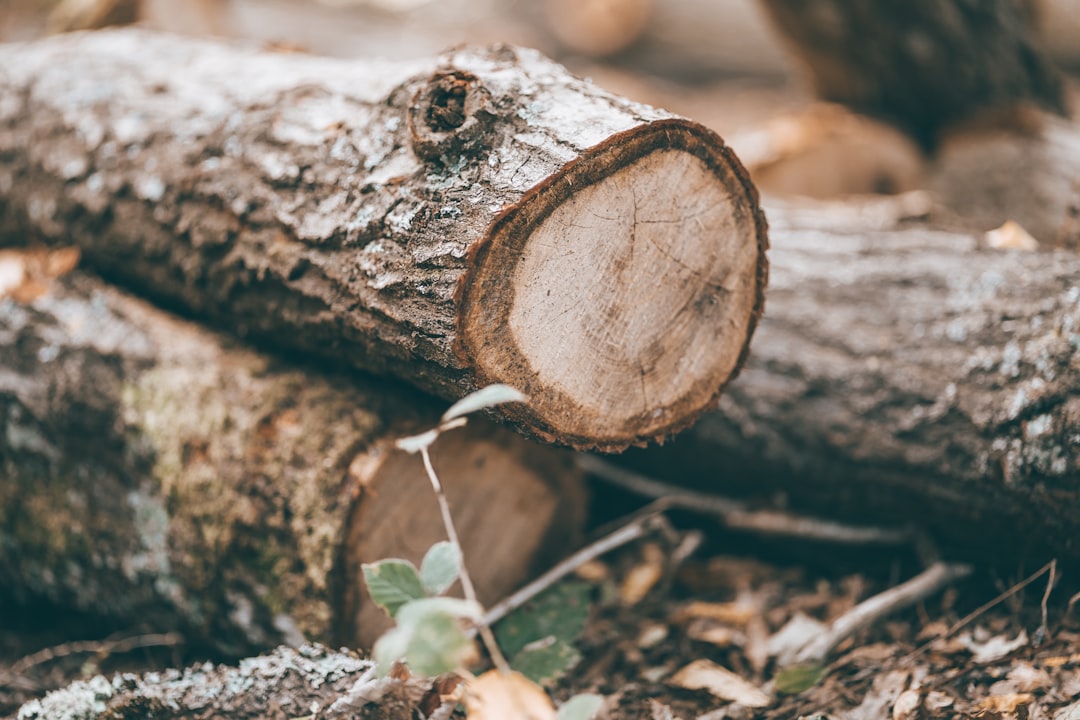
(155, 470)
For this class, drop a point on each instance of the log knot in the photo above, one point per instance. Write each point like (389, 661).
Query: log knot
(448, 115)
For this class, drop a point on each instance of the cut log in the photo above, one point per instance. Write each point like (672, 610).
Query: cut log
(922, 64)
(154, 470)
(1024, 168)
(1028, 173)
(906, 376)
(282, 685)
(481, 217)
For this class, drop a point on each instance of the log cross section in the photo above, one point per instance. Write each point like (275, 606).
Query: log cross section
(480, 217)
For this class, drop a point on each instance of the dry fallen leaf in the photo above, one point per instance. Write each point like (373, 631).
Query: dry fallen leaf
(498, 696)
(1069, 712)
(736, 613)
(642, 577)
(786, 642)
(907, 705)
(1004, 703)
(721, 682)
(1023, 677)
(993, 649)
(25, 273)
(714, 633)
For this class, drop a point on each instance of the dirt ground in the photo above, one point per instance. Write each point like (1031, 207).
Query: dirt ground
(733, 610)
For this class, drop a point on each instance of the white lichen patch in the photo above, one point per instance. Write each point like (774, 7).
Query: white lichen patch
(149, 187)
(400, 219)
(78, 701)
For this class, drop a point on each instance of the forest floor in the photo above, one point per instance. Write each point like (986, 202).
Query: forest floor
(729, 611)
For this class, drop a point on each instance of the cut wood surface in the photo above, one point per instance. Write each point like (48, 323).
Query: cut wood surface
(904, 375)
(155, 472)
(924, 63)
(480, 217)
(282, 685)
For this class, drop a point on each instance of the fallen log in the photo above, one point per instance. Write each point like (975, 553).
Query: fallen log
(480, 217)
(281, 685)
(923, 64)
(154, 470)
(905, 376)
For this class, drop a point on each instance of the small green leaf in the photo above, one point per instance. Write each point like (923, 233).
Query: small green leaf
(392, 583)
(797, 678)
(580, 707)
(412, 611)
(484, 398)
(546, 661)
(438, 644)
(389, 648)
(560, 612)
(429, 637)
(440, 567)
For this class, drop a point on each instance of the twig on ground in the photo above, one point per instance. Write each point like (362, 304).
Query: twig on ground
(977, 612)
(737, 515)
(1043, 630)
(638, 527)
(98, 647)
(869, 611)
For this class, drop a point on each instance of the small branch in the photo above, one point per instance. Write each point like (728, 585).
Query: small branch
(637, 528)
(869, 611)
(737, 515)
(102, 647)
(977, 612)
(466, 582)
(1043, 630)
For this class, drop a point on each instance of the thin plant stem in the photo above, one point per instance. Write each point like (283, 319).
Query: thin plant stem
(486, 635)
(637, 528)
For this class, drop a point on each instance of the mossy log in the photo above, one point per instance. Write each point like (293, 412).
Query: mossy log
(906, 376)
(152, 470)
(282, 685)
(478, 217)
(923, 64)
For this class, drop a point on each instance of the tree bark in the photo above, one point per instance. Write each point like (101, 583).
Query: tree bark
(480, 217)
(906, 376)
(152, 469)
(1030, 174)
(281, 685)
(922, 64)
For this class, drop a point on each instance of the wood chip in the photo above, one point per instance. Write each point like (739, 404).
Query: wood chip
(1011, 236)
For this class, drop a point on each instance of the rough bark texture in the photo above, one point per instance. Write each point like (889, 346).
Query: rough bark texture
(922, 64)
(1029, 173)
(282, 685)
(482, 217)
(153, 470)
(906, 376)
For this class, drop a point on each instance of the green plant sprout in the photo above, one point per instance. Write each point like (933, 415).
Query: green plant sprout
(433, 634)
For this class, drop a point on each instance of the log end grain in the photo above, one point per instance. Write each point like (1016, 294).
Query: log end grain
(621, 293)
(513, 505)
